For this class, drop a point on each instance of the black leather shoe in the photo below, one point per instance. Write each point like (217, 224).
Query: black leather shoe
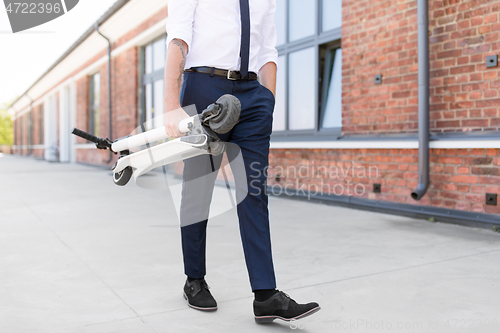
(281, 306)
(198, 296)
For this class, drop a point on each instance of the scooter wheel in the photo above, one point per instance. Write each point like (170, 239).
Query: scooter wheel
(121, 178)
(229, 115)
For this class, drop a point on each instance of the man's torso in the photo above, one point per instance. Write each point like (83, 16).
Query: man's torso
(217, 33)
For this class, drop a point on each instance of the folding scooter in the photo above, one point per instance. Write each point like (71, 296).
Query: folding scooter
(201, 138)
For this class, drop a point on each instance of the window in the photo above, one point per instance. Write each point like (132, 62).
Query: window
(153, 63)
(331, 14)
(309, 81)
(331, 89)
(94, 104)
(301, 89)
(279, 117)
(301, 19)
(280, 21)
(40, 123)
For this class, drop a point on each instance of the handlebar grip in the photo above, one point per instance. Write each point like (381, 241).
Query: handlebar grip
(85, 135)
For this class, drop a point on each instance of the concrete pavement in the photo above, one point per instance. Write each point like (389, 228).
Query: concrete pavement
(80, 254)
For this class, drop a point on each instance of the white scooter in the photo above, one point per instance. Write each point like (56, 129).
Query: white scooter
(200, 139)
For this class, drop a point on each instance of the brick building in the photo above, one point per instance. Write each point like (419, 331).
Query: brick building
(338, 135)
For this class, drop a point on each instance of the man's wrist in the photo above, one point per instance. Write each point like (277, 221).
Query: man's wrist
(172, 107)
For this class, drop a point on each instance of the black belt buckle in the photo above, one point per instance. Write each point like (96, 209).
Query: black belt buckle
(230, 76)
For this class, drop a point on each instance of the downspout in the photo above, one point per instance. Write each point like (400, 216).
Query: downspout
(96, 27)
(423, 99)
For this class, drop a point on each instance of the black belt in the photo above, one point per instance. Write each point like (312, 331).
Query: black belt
(230, 75)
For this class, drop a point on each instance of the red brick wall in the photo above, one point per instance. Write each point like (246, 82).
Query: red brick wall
(21, 137)
(459, 177)
(465, 92)
(126, 92)
(35, 126)
(125, 108)
(103, 108)
(25, 135)
(38, 153)
(41, 127)
(82, 106)
(91, 156)
(380, 37)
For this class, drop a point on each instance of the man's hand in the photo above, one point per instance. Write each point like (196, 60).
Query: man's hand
(172, 119)
(174, 69)
(267, 76)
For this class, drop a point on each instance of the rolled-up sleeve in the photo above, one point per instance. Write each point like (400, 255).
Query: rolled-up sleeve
(180, 20)
(268, 52)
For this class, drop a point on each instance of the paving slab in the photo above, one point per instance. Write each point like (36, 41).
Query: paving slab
(80, 254)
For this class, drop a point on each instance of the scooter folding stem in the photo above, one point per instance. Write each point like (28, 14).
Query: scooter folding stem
(149, 136)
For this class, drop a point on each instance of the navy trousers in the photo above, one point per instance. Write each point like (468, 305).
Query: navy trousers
(251, 135)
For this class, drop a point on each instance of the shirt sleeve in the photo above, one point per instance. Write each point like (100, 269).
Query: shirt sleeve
(268, 52)
(180, 20)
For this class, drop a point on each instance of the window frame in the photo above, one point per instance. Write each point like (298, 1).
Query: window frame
(325, 84)
(148, 78)
(316, 41)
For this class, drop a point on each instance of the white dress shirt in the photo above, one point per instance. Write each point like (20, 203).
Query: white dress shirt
(212, 31)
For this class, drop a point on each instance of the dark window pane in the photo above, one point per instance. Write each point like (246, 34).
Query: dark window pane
(332, 89)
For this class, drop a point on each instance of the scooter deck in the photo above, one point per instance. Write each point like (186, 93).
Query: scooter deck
(165, 153)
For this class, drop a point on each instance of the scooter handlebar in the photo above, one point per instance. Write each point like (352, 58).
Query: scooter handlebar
(100, 142)
(85, 135)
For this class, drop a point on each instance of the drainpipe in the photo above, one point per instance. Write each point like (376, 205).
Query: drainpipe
(96, 27)
(423, 100)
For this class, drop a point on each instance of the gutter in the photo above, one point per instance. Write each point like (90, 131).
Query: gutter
(96, 27)
(423, 100)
